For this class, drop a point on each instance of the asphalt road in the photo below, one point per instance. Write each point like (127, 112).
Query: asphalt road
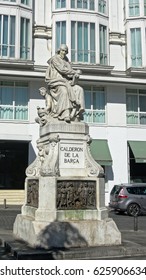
(125, 222)
(7, 216)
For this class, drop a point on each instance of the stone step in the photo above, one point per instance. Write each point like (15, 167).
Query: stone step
(12, 197)
(20, 250)
(4, 255)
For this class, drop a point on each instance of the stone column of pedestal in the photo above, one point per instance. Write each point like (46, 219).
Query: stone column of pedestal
(46, 211)
(100, 198)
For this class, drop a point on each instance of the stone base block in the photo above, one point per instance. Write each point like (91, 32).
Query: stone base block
(66, 234)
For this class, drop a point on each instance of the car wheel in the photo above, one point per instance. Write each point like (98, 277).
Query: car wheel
(133, 209)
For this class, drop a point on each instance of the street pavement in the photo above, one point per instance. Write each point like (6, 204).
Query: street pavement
(133, 244)
(7, 218)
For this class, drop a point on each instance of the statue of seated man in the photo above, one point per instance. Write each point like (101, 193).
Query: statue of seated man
(67, 98)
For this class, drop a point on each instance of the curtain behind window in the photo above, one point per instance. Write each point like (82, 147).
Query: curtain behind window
(94, 105)
(132, 109)
(21, 102)
(133, 7)
(136, 50)
(5, 36)
(6, 98)
(60, 33)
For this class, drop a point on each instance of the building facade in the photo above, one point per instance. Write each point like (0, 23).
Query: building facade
(107, 41)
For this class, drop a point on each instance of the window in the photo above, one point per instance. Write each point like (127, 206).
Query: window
(83, 4)
(103, 44)
(13, 163)
(9, 0)
(142, 190)
(94, 105)
(132, 190)
(60, 4)
(102, 6)
(17, 23)
(137, 190)
(136, 50)
(24, 39)
(25, 2)
(116, 189)
(60, 33)
(144, 7)
(13, 101)
(82, 42)
(7, 36)
(136, 106)
(133, 8)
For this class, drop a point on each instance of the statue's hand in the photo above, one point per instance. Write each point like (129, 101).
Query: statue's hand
(79, 72)
(76, 76)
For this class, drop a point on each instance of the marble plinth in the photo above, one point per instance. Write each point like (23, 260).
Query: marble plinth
(65, 193)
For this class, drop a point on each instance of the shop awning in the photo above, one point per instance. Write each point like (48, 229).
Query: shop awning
(100, 152)
(139, 150)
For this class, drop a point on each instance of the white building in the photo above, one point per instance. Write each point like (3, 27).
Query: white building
(107, 41)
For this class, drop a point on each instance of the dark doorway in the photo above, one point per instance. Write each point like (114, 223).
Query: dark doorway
(13, 162)
(137, 170)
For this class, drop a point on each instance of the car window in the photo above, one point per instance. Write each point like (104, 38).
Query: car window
(132, 190)
(116, 189)
(136, 190)
(142, 190)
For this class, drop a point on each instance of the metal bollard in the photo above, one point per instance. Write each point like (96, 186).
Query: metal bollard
(135, 223)
(5, 203)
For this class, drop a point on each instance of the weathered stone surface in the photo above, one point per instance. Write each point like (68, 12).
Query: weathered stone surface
(68, 234)
(64, 150)
(50, 227)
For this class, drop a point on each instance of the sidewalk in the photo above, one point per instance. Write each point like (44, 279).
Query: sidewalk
(133, 244)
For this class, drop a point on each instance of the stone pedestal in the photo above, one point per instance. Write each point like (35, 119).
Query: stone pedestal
(65, 194)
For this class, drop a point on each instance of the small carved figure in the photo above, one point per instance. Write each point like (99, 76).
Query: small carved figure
(42, 118)
(70, 195)
(32, 193)
(82, 194)
(63, 200)
(48, 99)
(41, 153)
(91, 196)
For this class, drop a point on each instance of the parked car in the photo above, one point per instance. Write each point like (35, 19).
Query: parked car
(130, 198)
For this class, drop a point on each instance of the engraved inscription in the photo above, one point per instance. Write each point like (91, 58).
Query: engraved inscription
(76, 195)
(32, 192)
(71, 155)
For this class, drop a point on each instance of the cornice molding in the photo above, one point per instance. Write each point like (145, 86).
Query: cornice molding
(93, 68)
(42, 31)
(136, 72)
(16, 64)
(117, 38)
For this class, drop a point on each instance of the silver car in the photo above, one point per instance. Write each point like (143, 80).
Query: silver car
(130, 198)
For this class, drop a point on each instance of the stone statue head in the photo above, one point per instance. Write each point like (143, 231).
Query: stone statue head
(63, 47)
(43, 91)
